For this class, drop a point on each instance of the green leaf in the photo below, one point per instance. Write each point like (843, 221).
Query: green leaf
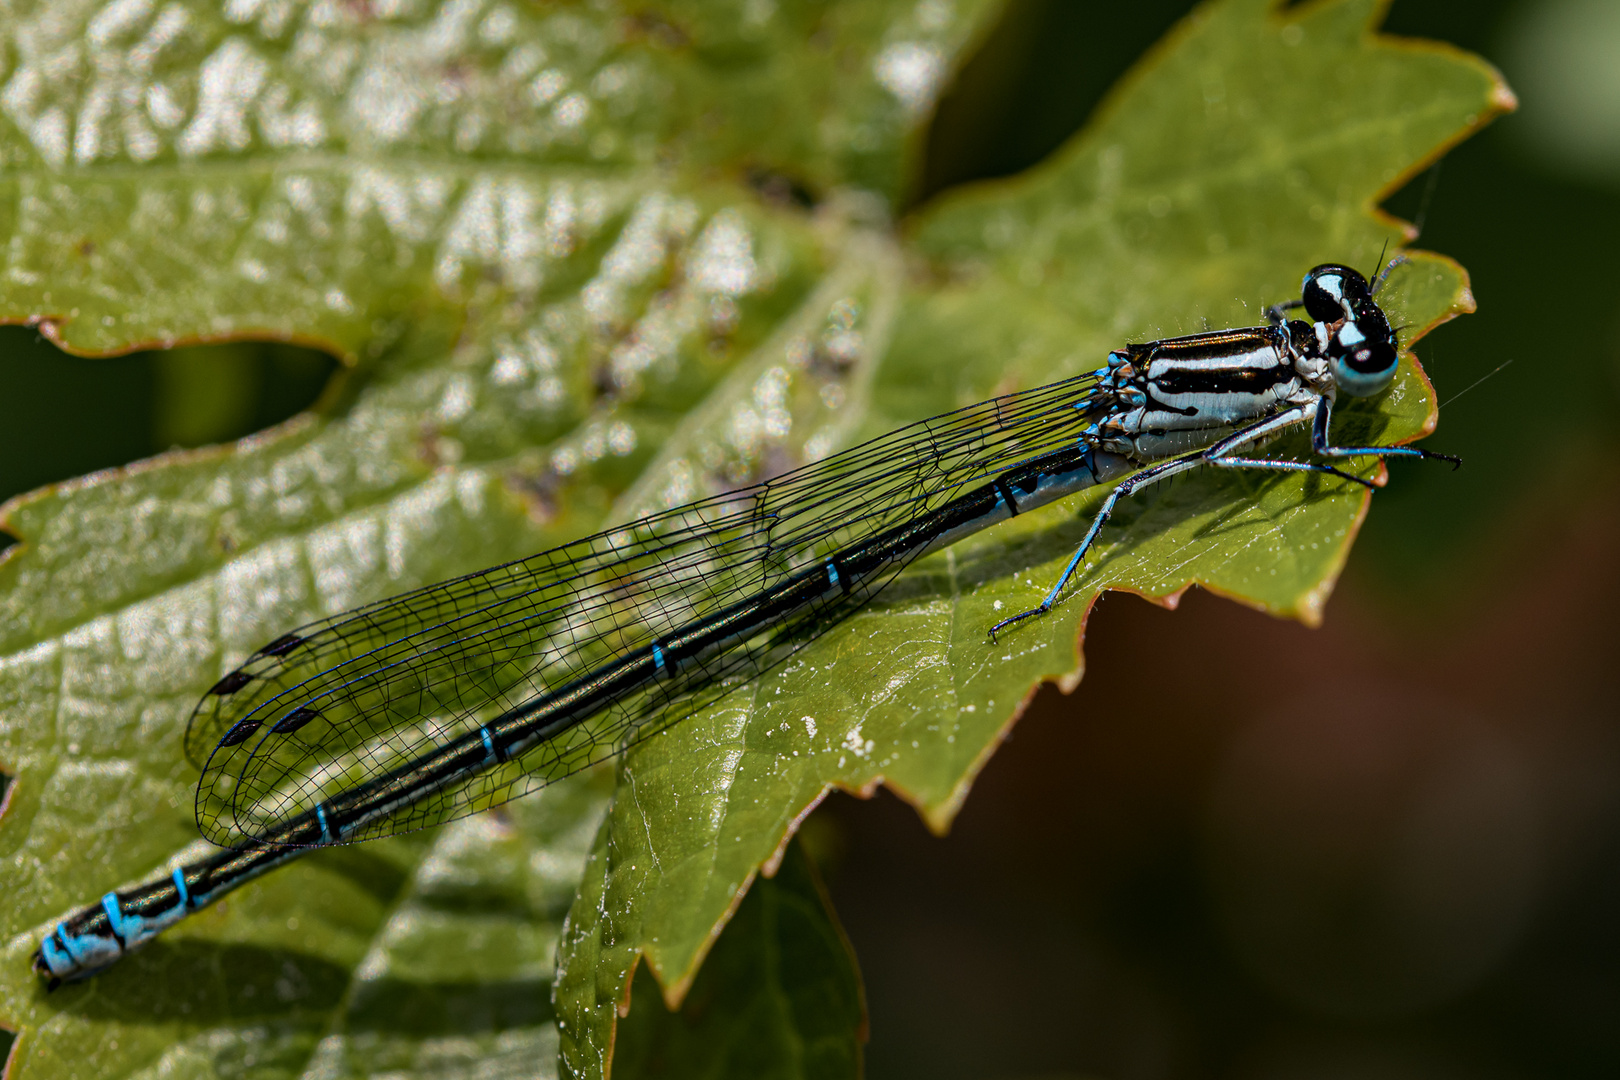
(548, 243)
(780, 996)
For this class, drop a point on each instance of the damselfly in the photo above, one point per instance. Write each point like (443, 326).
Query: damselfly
(459, 696)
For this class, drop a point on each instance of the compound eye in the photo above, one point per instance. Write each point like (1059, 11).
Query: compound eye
(1363, 367)
(1324, 293)
(1332, 292)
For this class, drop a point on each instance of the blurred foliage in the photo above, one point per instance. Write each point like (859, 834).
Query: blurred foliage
(89, 413)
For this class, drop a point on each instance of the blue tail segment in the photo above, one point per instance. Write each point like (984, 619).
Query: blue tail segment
(95, 937)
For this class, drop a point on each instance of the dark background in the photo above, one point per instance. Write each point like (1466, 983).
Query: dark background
(1386, 848)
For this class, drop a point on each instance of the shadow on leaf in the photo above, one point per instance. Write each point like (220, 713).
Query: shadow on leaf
(204, 982)
(368, 871)
(435, 1009)
(201, 982)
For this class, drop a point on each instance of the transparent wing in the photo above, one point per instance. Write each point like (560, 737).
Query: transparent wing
(342, 701)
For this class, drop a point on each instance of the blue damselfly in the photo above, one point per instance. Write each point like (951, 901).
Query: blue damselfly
(456, 697)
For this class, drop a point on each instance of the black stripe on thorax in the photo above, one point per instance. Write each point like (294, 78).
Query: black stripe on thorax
(1178, 380)
(1250, 361)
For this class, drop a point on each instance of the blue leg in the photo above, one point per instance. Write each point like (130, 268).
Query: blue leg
(1222, 454)
(1215, 453)
(1321, 444)
(1287, 466)
(1125, 487)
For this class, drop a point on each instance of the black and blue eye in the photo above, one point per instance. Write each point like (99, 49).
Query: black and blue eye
(1362, 363)
(1332, 292)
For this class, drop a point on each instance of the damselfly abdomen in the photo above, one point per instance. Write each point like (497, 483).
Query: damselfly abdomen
(456, 697)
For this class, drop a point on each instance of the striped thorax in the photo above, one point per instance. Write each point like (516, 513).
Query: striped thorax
(1168, 397)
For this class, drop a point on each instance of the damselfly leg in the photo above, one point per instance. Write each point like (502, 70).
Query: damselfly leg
(1221, 455)
(1218, 454)
(1321, 444)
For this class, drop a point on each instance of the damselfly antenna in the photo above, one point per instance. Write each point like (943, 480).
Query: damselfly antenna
(1378, 268)
(1382, 276)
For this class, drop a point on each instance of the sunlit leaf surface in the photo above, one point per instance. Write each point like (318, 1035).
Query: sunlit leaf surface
(563, 248)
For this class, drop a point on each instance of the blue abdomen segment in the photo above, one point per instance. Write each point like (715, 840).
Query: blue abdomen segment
(89, 940)
(94, 937)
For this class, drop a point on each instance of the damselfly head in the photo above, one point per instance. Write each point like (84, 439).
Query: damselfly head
(1362, 348)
